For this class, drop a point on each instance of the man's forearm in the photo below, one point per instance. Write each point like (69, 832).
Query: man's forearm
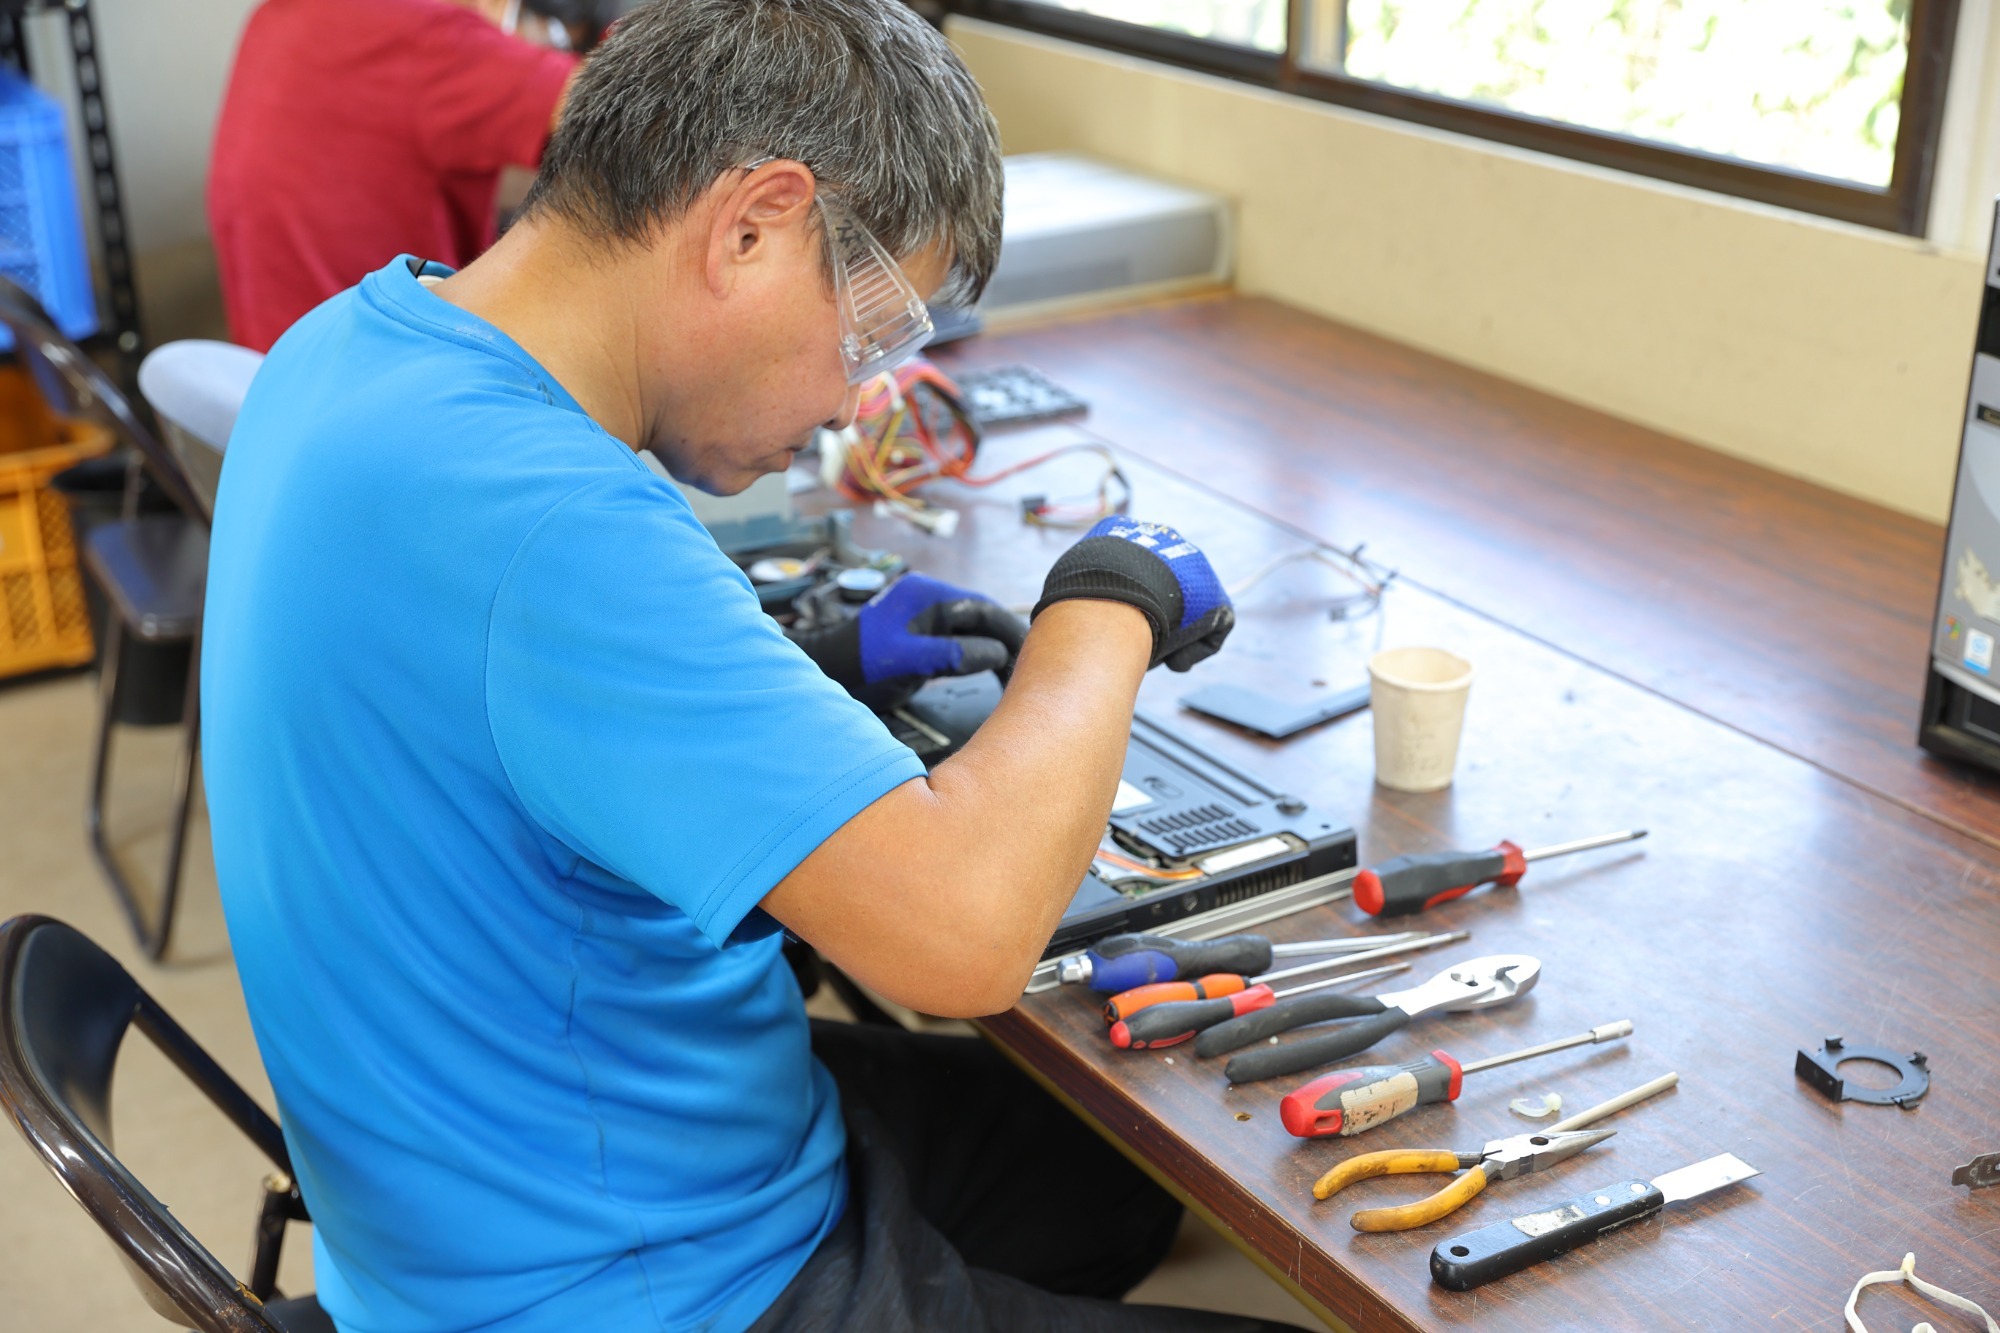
(1028, 796)
(942, 893)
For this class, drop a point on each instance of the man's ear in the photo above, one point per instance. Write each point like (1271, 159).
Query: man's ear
(761, 207)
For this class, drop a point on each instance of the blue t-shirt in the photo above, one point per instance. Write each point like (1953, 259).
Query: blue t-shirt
(501, 756)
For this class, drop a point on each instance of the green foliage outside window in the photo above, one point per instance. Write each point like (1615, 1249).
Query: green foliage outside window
(1813, 85)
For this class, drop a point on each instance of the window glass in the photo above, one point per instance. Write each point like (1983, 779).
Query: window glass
(1813, 85)
(1254, 23)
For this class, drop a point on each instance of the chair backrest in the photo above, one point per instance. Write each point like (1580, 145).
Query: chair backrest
(65, 1006)
(78, 385)
(196, 387)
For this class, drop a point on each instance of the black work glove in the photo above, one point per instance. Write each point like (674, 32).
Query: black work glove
(912, 631)
(1152, 567)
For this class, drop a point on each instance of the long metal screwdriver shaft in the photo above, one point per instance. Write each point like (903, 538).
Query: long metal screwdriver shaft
(1604, 1032)
(1348, 945)
(1618, 1103)
(1344, 978)
(1584, 844)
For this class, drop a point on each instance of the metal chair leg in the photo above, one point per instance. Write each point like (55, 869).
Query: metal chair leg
(152, 936)
(170, 880)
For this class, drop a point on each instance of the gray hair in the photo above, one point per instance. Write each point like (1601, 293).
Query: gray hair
(863, 92)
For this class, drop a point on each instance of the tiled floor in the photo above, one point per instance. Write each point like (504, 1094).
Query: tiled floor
(57, 1272)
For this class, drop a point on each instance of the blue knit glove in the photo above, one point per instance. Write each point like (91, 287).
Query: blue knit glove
(913, 630)
(1152, 567)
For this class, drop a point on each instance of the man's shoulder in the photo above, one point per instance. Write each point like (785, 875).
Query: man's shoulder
(355, 406)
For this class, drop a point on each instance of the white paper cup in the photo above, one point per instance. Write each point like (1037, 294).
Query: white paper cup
(1418, 698)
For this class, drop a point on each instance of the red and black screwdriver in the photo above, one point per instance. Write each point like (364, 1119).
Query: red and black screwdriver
(1349, 1101)
(1176, 1021)
(1218, 985)
(1410, 884)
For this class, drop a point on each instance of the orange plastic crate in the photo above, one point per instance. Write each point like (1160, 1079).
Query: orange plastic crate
(43, 620)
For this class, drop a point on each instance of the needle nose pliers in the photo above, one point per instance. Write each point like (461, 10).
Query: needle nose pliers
(1502, 1159)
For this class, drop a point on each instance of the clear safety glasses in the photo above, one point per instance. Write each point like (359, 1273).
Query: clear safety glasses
(883, 322)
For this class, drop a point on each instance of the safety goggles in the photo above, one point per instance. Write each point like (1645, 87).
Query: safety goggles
(883, 321)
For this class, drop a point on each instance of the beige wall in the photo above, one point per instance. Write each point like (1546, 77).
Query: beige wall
(1831, 352)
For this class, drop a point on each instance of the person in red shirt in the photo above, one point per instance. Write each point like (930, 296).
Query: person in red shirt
(357, 130)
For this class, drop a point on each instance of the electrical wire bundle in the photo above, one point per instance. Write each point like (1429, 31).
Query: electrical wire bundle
(1370, 579)
(913, 427)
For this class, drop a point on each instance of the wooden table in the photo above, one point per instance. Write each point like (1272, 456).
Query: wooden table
(1774, 904)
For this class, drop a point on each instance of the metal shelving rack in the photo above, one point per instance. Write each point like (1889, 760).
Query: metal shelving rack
(122, 335)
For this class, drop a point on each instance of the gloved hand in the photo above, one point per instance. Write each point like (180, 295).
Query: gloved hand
(1152, 567)
(913, 630)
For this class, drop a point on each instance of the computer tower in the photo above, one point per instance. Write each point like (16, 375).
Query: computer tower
(1961, 713)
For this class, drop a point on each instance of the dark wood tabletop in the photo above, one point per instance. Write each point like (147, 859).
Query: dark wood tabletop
(1796, 614)
(1774, 904)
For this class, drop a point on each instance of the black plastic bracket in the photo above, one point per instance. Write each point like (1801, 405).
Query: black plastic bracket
(1821, 1069)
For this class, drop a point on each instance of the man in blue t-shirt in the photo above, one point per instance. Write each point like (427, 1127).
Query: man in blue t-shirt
(513, 783)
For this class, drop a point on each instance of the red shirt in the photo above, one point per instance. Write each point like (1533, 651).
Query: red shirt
(357, 130)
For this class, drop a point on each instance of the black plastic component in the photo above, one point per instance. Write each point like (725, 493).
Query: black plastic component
(1821, 1069)
(1478, 1257)
(1271, 717)
(1309, 1052)
(1283, 1016)
(1002, 396)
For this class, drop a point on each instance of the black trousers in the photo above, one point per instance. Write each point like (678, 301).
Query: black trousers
(977, 1204)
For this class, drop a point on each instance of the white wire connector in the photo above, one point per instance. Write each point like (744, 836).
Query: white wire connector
(1535, 1109)
(1907, 1273)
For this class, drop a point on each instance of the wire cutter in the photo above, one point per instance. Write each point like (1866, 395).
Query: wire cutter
(1502, 1159)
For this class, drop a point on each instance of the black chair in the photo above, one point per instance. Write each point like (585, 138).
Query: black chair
(153, 569)
(65, 1006)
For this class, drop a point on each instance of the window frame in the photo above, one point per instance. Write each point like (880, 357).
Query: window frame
(1902, 206)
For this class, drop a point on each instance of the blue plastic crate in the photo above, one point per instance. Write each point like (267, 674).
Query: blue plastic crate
(41, 229)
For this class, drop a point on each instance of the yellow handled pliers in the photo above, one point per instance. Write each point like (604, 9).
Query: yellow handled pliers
(1502, 1159)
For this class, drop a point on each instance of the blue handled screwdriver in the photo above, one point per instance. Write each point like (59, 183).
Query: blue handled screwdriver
(1120, 962)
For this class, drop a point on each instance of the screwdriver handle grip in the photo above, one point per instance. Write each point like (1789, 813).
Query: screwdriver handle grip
(1121, 962)
(1174, 1022)
(1407, 885)
(1213, 986)
(1351, 1101)
(1264, 1062)
(1286, 1014)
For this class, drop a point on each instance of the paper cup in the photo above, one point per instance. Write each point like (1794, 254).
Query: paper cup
(1417, 696)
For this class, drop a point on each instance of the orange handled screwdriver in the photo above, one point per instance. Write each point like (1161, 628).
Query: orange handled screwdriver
(1410, 884)
(1174, 1022)
(1217, 985)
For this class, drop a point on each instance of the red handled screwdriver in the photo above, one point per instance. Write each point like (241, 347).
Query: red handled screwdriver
(1410, 884)
(1349, 1101)
(1217, 985)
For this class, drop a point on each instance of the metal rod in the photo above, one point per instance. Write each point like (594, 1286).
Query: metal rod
(1584, 845)
(1417, 940)
(1607, 1032)
(1345, 976)
(1618, 1103)
(1346, 945)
